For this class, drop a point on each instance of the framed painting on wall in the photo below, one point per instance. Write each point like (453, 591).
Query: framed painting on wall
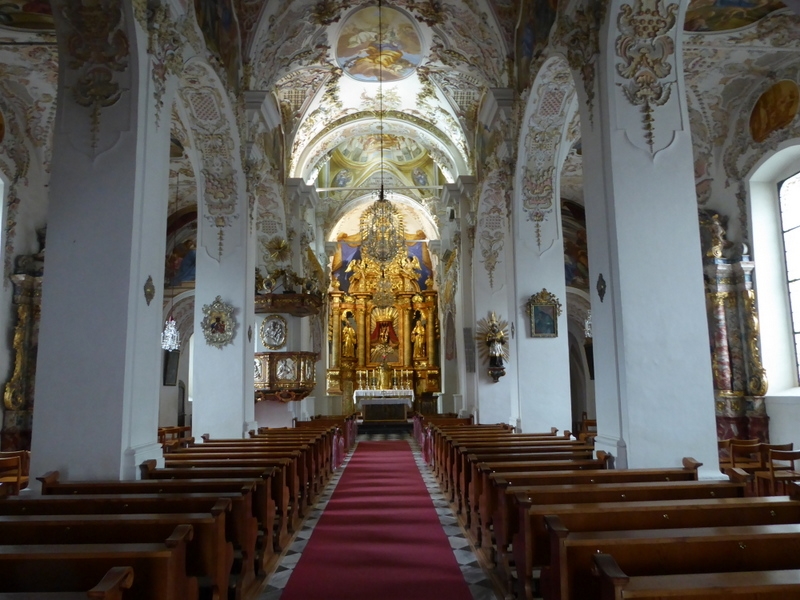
(544, 309)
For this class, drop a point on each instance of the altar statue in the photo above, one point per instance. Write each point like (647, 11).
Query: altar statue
(418, 339)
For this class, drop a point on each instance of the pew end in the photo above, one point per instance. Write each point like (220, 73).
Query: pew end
(111, 586)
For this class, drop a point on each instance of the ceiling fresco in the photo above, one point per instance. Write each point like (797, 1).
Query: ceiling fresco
(724, 15)
(27, 15)
(378, 45)
(348, 78)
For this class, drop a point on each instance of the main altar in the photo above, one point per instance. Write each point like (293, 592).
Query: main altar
(383, 331)
(384, 405)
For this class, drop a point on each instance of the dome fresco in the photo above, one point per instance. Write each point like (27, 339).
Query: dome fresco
(378, 44)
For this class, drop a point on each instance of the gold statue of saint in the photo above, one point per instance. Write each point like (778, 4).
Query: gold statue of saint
(348, 340)
(418, 339)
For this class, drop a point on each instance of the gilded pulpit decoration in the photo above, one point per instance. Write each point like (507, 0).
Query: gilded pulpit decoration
(98, 48)
(646, 50)
(274, 329)
(218, 324)
(493, 334)
(284, 376)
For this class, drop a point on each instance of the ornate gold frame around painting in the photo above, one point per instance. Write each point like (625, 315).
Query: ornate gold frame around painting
(544, 309)
(218, 324)
(283, 327)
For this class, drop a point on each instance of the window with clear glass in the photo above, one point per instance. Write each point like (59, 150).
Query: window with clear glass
(789, 191)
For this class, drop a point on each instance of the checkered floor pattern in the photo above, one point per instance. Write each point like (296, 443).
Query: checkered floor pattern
(479, 584)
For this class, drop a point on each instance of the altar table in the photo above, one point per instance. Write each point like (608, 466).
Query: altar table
(384, 405)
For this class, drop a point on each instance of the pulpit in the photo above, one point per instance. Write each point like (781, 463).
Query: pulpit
(384, 405)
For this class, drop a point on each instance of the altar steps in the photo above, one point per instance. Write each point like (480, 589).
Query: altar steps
(395, 427)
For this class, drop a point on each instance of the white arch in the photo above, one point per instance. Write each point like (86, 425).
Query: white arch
(351, 212)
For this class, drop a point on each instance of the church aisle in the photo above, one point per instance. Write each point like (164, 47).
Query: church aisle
(478, 584)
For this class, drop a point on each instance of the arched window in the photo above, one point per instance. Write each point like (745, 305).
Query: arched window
(789, 195)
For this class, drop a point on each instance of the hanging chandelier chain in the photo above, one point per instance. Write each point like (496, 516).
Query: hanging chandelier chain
(171, 337)
(382, 232)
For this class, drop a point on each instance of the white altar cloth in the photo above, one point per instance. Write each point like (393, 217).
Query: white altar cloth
(371, 397)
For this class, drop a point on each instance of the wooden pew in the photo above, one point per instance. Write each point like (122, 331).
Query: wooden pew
(459, 448)
(764, 585)
(174, 496)
(209, 556)
(667, 552)
(507, 489)
(160, 567)
(505, 523)
(308, 480)
(496, 510)
(111, 587)
(321, 441)
(287, 474)
(267, 511)
(468, 485)
(438, 435)
(531, 547)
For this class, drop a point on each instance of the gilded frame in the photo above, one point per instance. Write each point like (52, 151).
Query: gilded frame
(218, 324)
(544, 309)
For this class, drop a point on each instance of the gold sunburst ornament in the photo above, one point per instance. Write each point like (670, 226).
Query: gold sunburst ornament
(278, 249)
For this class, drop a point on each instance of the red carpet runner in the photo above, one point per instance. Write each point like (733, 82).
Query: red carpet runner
(379, 537)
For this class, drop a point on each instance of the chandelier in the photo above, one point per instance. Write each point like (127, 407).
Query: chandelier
(382, 232)
(171, 337)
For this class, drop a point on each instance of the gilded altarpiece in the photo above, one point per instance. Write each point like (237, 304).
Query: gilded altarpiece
(19, 390)
(380, 345)
(740, 381)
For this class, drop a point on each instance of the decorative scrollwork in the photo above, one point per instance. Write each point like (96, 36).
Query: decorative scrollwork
(646, 49)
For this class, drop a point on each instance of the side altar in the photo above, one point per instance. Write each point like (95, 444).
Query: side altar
(384, 405)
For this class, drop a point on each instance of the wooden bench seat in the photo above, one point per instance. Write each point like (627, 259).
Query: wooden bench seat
(496, 478)
(178, 496)
(532, 544)
(456, 458)
(487, 503)
(314, 465)
(285, 482)
(160, 568)
(504, 520)
(763, 585)
(469, 477)
(271, 506)
(209, 556)
(666, 552)
(111, 587)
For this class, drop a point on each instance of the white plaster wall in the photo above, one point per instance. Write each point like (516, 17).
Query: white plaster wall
(543, 381)
(274, 414)
(784, 417)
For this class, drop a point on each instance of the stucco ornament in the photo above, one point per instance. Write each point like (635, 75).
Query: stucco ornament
(98, 49)
(646, 49)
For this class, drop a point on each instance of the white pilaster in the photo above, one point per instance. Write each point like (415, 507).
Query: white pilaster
(654, 393)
